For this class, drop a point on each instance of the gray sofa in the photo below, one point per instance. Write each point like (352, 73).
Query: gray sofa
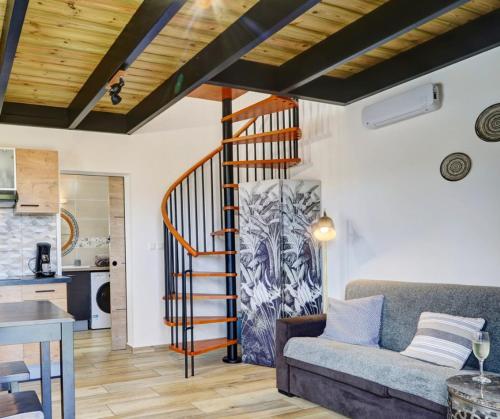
(362, 382)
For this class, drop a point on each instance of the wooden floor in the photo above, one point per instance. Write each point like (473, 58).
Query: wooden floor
(151, 384)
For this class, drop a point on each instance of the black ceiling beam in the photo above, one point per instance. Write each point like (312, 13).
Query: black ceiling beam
(146, 23)
(249, 75)
(458, 44)
(53, 117)
(15, 11)
(255, 26)
(263, 78)
(374, 29)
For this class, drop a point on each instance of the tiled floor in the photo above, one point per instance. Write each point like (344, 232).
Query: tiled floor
(151, 384)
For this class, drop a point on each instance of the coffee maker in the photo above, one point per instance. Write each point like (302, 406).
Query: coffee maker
(42, 265)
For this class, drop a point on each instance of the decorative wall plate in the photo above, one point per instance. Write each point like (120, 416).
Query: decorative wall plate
(488, 124)
(74, 232)
(456, 166)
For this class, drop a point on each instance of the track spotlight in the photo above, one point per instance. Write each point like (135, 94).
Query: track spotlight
(114, 91)
(115, 85)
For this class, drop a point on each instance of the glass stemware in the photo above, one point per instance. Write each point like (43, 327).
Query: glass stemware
(481, 349)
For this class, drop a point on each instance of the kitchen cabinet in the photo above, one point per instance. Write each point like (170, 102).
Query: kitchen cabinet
(37, 177)
(79, 295)
(7, 169)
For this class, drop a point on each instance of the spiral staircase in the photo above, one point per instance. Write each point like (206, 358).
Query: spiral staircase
(200, 214)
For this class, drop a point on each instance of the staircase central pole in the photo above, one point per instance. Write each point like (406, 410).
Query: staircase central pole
(229, 223)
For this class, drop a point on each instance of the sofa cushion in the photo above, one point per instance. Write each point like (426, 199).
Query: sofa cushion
(388, 368)
(355, 321)
(444, 339)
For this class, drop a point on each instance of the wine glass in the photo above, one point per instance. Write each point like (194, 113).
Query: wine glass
(481, 348)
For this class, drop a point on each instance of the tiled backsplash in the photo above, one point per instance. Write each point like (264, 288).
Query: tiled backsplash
(19, 235)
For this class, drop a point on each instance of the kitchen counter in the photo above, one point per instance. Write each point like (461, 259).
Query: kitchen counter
(32, 280)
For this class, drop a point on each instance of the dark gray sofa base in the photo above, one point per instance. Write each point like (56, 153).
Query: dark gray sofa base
(351, 396)
(356, 403)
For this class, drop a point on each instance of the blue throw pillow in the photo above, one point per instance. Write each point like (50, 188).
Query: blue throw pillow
(354, 321)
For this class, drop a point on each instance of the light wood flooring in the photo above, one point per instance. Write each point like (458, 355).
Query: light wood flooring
(151, 384)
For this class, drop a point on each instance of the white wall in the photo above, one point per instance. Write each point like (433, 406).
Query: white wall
(397, 219)
(152, 159)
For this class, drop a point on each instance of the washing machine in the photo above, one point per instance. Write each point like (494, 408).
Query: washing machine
(100, 293)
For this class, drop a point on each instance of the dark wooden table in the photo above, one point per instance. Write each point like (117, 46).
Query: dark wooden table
(43, 322)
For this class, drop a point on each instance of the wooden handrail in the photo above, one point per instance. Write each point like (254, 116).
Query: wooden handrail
(190, 249)
(244, 127)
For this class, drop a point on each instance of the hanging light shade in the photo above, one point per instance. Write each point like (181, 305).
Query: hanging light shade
(324, 229)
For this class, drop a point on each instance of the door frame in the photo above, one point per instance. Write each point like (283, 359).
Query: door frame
(128, 237)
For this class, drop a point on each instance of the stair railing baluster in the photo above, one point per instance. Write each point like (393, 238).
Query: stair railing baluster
(184, 319)
(212, 201)
(296, 121)
(263, 128)
(221, 183)
(203, 207)
(188, 191)
(166, 264)
(191, 311)
(171, 273)
(237, 168)
(255, 150)
(246, 154)
(176, 285)
(196, 208)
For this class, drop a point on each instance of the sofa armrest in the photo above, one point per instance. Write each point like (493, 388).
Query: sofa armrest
(305, 326)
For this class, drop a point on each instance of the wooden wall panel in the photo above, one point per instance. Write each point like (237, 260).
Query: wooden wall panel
(117, 269)
(187, 33)
(61, 43)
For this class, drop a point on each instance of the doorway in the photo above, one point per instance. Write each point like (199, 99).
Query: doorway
(93, 254)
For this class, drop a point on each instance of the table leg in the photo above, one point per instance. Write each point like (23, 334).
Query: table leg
(45, 375)
(67, 372)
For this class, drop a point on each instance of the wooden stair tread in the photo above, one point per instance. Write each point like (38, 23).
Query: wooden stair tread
(287, 134)
(218, 253)
(204, 346)
(201, 320)
(207, 274)
(264, 107)
(264, 163)
(205, 297)
(222, 232)
(231, 185)
(231, 207)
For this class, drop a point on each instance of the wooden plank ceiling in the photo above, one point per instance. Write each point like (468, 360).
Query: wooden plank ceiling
(3, 4)
(62, 42)
(329, 16)
(191, 30)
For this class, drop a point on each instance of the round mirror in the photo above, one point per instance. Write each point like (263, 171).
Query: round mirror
(69, 230)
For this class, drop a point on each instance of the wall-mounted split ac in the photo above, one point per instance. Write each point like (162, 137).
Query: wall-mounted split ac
(414, 102)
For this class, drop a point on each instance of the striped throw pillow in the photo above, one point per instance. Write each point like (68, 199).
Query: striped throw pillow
(443, 339)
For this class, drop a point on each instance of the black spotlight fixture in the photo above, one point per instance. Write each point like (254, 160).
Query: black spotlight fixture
(114, 91)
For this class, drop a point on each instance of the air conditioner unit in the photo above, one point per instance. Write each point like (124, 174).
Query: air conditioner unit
(414, 102)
